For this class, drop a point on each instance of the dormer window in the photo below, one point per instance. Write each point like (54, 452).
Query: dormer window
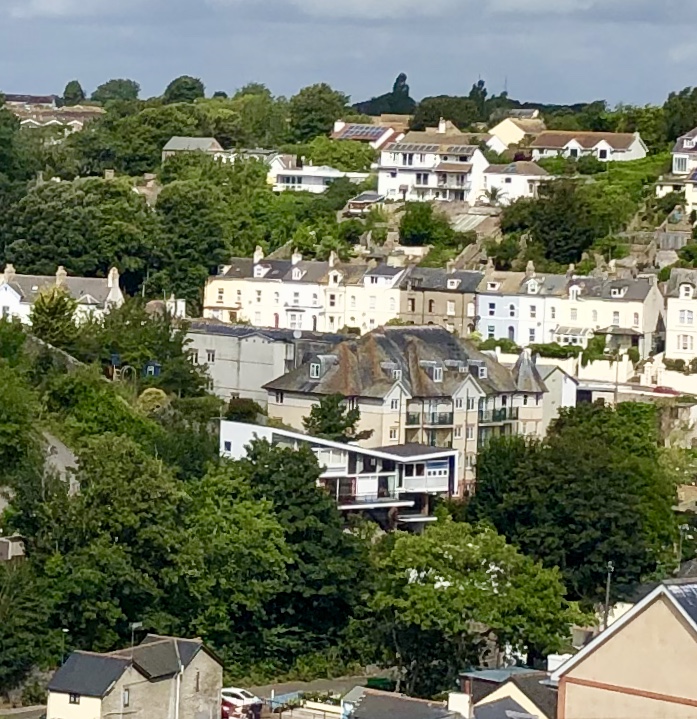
(533, 287)
(453, 284)
(573, 293)
(314, 370)
(437, 374)
(396, 374)
(334, 278)
(297, 273)
(686, 292)
(483, 373)
(492, 286)
(258, 271)
(688, 142)
(618, 292)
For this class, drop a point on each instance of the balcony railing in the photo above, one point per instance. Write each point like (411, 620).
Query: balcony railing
(496, 416)
(367, 498)
(438, 418)
(413, 419)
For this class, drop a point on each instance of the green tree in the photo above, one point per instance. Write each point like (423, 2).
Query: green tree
(53, 317)
(117, 89)
(184, 89)
(332, 419)
(680, 111)
(18, 438)
(73, 93)
(327, 565)
(609, 500)
(441, 594)
(314, 110)
(461, 111)
(397, 102)
(422, 224)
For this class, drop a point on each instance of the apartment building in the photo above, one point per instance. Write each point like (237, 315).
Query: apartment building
(681, 310)
(396, 486)
(419, 385)
(431, 296)
(303, 295)
(440, 163)
(531, 308)
(240, 359)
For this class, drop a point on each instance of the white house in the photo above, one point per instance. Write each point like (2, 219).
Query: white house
(529, 308)
(683, 175)
(374, 135)
(515, 180)
(605, 146)
(437, 164)
(304, 295)
(207, 145)
(287, 172)
(681, 312)
(94, 296)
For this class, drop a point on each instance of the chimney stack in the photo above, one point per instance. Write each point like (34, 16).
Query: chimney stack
(61, 276)
(258, 255)
(109, 174)
(112, 279)
(296, 257)
(9, 274)
(530, 269)
(442, 126)
(571, 271)
(333, 259)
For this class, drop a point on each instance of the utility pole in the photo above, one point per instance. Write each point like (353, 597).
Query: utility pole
(610, 570)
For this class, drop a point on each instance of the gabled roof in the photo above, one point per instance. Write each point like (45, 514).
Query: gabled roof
(636, 290)
(517, 168)
(680, 142)
(558, 139)
(88, 674)
(526, 374)
(680, 276)
(504, 708)
(192, 144)
(374, 704)
(536, 688)
(358, 366)
(158, 657)
(681, 593)
(433, 278)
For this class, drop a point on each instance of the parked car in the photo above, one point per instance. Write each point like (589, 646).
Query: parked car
(236, 702)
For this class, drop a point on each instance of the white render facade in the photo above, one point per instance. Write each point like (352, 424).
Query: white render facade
(604, 146)
(305, 296)
(681, 315)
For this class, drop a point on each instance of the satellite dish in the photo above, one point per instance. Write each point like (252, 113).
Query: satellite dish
(297, 334)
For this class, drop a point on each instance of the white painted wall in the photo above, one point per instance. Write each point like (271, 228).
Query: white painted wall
(59, 707)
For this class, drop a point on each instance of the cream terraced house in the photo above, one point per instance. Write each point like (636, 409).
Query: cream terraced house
(419, 385)
(301, 295)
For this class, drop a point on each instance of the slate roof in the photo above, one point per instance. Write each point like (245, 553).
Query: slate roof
(637, 289)
(313, 271)
(504, 708)
(558, 139)
(517, 168)
(85, 290)
(514, 283)
(680, 276)
(88, 674)
(463, 167)
(680, 142)
(409, 450)
(374, 704)
(192, 144)
(526, 375)
(542, 695)
(356, 367)
(216, 327)
(432, 278)
(684, 591)
(158, 657)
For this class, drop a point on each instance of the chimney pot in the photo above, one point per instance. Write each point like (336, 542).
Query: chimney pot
(61, 276)
(9, 274)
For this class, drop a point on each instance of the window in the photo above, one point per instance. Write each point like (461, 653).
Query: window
(553, 313)
(533, 312)
(314, 370)
(573, 293)
(373, 302)
(437, 374)
(411, 304)
(470, 403)
(221, 295)
(525, 400)
(392, 304)
(531, 336)
(5, 311)
(431, 306)
(471, 309)
(492, 309)
(491, 332)
(602, 154)
(470, 461)
(686, 292)
(332, 300)
(239, 297)
(374, 280)
(458, 403)
(198, 681)
(258, 296)
(295, 321)
(615, 318)
(315, 300)
(74, 699)
(508, 180)
(296, 298)
(511, 310)
(422, 178)
(573, 152)
(396, 374)
(636, 319)
(470, 431)
(257, 319)
(492, 286)
(276, 298)
(371, 323)
(483, 373)
(574, 314)
(453, 284)
(394, 404)
(450, 310)
(194, 356)
(127, 697)
(227, 446)
(210, 356)
(458, 432)
(279, 397)
(679, 164)
(394, 434)
(297, 273)
(595, 315)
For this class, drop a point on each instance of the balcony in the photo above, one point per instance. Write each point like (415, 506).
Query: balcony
(498, 416)
(438, 419)
(413, 419)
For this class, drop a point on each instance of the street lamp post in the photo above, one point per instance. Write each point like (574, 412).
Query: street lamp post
(610, 570)
(64, 633)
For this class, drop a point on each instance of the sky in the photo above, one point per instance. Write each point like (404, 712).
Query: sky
(565, 51)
